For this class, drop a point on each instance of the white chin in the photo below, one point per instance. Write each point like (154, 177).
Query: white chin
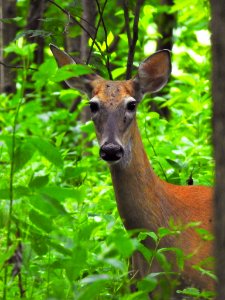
(111, 163)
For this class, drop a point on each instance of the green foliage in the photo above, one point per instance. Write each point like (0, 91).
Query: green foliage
(56, 195)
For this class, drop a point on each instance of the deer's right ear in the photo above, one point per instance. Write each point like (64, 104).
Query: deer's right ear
(153, 73)
(81, 83)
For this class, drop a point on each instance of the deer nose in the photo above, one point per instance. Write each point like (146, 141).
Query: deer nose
(111, 152)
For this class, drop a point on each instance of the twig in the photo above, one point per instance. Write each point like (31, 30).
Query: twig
(153, 149)
(96, 31)
(127, 22)
(16, 67)
(130, 59)
(106, 43)
(82, 27)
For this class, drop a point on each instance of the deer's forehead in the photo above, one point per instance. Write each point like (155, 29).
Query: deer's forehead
(112, 92)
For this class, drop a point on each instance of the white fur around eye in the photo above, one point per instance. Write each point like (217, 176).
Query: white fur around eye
(95, 99)
(128, 99)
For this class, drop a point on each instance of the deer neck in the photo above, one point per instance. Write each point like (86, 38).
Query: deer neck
(139, 192)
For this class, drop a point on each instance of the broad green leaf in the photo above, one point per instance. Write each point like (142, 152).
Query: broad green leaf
(118, 72)
(8, 142)
(47, 205)
(77, 262)
(47, 150)
(41, 221)
(61, 194)
(38, 181)
(22, 155)
(70, 71)
(94, 287)
(143, 235)
(39, 244)
(73, 172)
(147, 284)
(178, 254)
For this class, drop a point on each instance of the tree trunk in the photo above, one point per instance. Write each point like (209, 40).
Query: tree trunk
(7, 33)
(89, 14)
(36, 11)
(218, 90)
(165, 23)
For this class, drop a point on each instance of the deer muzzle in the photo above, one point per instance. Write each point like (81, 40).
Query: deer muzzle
(111, 152)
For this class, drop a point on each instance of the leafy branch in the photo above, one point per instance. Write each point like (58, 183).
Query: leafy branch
(88, 33)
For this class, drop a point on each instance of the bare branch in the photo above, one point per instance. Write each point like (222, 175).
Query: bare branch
(106, 43)
(96, 32)
(127, 21)
(16, 67)
(134, 39)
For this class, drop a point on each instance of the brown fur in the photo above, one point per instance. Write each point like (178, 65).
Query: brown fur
(146, 202)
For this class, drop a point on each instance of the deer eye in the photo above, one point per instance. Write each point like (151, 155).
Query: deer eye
(131, 106)
(94, 107)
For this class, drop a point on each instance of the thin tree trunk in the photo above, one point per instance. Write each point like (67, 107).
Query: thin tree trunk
(7, 33)
(218, 90)
(36, 11)
(89, 14)
(1, 48)
(165, 23)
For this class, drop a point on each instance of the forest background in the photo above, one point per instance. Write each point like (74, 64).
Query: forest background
(61, 236)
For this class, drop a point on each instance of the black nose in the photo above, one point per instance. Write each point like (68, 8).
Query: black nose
(111, 152)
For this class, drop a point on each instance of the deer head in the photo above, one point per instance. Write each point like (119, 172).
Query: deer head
(113, 104)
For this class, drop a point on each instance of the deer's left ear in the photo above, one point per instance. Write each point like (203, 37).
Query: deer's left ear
(153, 73)
(82, 83)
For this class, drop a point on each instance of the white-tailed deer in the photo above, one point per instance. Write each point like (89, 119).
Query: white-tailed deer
(144, 200)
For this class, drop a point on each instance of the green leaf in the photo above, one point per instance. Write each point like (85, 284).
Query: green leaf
(39, 244)
(147, 284)
(162, 232)
(23, 154)
(189, 292)
(46, 149)
(47, 205)
(19, 191)
(11, 20)
(69, 71)
(146, 252)
(124, 245)
(61, 194)
(95, 284)
(143, 235)
(77, 262)
(178, 253)
(205, 234)
(41, 221)
(8, 142)
(73, 172)
(38, 181)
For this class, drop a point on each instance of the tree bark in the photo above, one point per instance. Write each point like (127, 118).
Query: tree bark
(165, 23)
(218, 91)
(7, 33)
(36, 11)
(89, 14)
